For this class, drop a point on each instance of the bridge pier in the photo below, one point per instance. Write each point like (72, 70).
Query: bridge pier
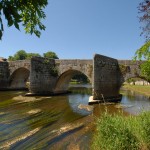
(106, 80)
(42, 76)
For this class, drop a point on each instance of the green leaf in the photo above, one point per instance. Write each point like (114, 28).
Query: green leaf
(143, 52)
(17, 25)
(29, 13)
(1, 34)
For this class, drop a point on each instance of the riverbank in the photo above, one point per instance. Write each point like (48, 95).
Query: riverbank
(139, 88)
(119, 132)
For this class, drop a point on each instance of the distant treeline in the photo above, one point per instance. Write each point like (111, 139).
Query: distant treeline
(22, 54)
(80, 78)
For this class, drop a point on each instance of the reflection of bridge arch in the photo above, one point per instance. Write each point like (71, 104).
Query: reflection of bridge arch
(19, 78)
(64, 79)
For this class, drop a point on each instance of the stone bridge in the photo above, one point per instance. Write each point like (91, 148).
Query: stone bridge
(49, 76)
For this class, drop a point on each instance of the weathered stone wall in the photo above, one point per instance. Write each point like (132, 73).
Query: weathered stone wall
(69, 68)
(4, 75)
(129, 69)
(14, 65)
(106, 81)
(84, 66)
(43, 75)
(19, 74)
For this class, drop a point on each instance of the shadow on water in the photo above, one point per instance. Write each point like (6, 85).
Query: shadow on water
(59, 138)
(52, 122)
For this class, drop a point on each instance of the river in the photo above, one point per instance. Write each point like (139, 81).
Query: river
(57, 122)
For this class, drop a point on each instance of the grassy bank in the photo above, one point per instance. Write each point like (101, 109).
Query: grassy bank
(122, 133)
(139, 88)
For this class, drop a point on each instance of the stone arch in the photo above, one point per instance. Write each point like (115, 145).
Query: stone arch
(64, 79)
(19, 78)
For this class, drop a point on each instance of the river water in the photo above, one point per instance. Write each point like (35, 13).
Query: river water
(58, 122)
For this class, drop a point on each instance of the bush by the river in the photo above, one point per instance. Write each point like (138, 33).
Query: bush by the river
(117, 132)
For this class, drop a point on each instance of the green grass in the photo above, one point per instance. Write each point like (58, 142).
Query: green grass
(74, 82)
(139, 88)
(122, 133)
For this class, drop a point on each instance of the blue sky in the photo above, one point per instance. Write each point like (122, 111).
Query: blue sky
(77, 29)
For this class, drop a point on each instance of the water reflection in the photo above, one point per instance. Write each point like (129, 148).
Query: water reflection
(77, 100)
(43, 122)
(138, 101)
(132, 102)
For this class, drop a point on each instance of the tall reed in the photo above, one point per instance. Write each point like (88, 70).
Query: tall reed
(116, 132)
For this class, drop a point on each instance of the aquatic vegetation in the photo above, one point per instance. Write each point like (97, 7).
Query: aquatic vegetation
(6, 103)
(34, 111)
(24, 99)
(64, 121)
(17, 139)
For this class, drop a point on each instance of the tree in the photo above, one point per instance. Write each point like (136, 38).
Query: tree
(81, 78)
(30, 55)
(144, 53)
(27, 13)
(145, 70)
(20, 55)
(50, 54)
(144, 11)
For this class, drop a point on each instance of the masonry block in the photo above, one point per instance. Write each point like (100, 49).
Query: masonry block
(43, 75)
(106, 79)
(4, 75)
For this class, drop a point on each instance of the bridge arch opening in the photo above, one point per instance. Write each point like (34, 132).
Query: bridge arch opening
(64, 79)
(136, 81)
(19, 78)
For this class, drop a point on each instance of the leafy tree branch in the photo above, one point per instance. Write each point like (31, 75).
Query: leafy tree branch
(144, 16)
(27, 13)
